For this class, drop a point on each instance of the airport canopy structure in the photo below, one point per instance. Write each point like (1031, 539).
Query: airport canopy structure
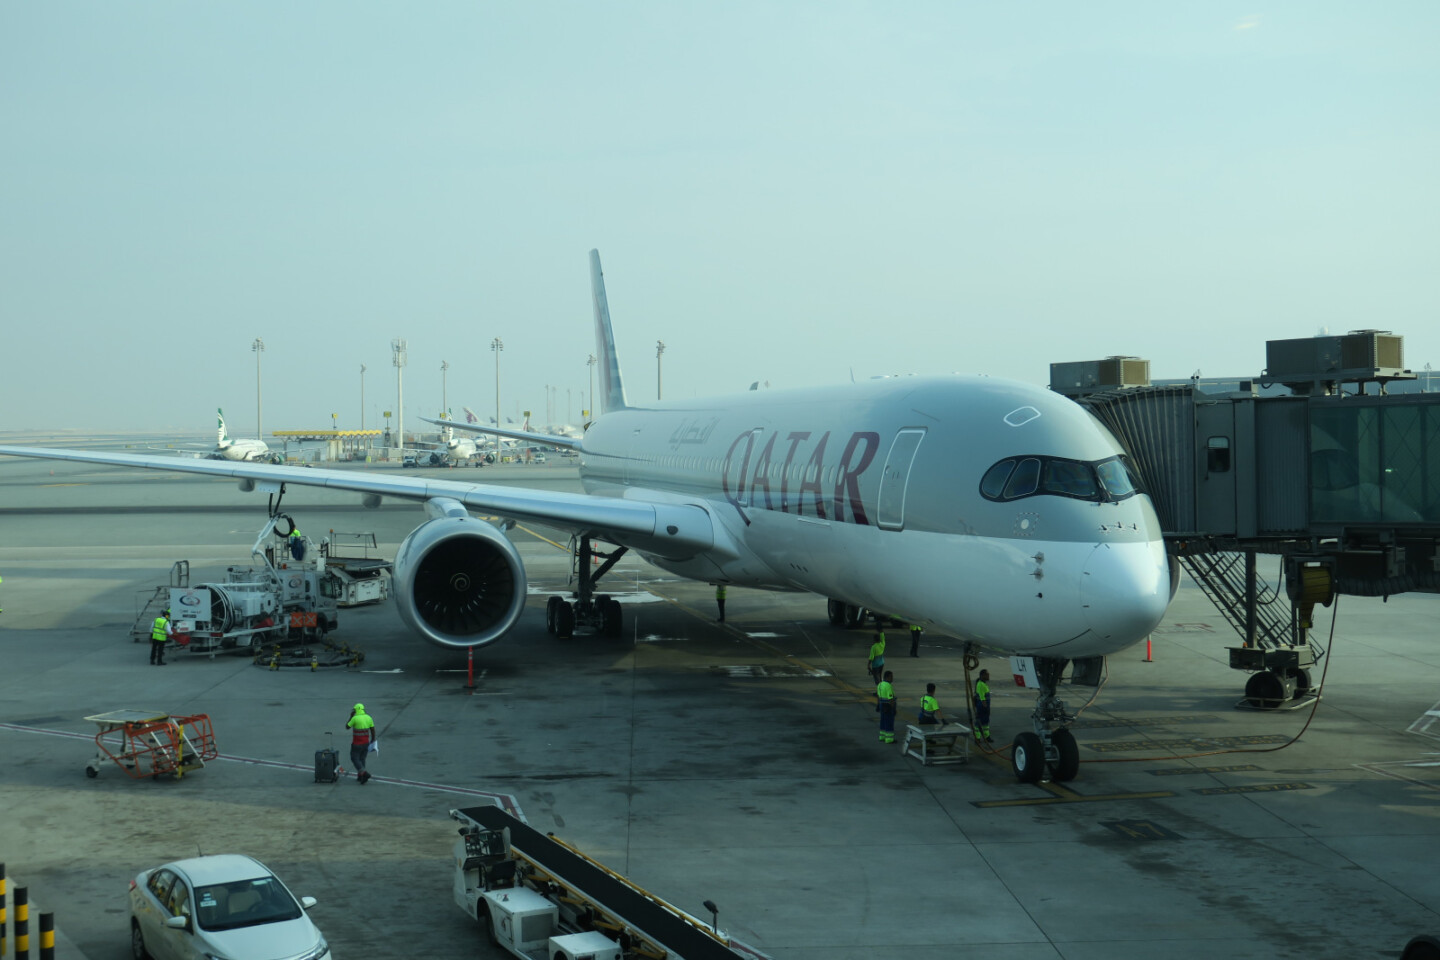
(339, 444)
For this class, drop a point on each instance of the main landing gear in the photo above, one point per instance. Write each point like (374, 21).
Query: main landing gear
(1056, 749)
(600, 613)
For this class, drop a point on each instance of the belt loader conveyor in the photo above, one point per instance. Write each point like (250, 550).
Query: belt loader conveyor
(541, 899)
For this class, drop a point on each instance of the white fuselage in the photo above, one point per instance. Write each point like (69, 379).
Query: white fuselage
(242, 449)
(871, 494)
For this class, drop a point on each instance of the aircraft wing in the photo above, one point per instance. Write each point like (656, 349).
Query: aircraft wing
(668, 529)
(544, 439)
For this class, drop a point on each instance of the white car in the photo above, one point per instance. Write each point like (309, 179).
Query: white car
(225, 907)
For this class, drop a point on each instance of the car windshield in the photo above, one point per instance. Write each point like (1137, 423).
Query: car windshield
(244, 903)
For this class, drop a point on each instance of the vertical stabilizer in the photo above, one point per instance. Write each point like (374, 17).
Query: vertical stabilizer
(612, 389)
(221, 438)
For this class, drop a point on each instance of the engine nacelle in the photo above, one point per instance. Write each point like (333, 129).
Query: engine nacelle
(459, 582)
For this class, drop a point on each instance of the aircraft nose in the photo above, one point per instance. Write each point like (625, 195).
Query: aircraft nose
(1126, 589)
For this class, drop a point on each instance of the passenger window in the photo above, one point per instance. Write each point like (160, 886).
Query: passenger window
(1025, 480)
(180, 900)
(993, 483)
(160, 885)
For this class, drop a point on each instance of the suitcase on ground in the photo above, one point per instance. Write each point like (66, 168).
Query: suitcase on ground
(327, 763)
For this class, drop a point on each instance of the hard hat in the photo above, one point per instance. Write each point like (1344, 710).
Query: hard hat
(359, 708)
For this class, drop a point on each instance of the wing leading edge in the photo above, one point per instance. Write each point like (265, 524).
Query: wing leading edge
(672, 530)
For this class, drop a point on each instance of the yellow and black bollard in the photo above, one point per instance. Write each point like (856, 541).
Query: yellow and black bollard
(47, 936)
(22, 923)
(314, 662)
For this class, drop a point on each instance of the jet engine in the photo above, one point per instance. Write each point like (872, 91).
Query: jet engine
(459, 581)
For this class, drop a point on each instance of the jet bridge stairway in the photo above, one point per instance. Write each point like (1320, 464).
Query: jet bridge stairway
(1280, 667)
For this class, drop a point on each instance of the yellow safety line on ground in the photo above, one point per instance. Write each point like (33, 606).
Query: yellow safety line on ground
(1065, 795)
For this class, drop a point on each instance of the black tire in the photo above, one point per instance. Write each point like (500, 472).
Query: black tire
(91, 772)
(1067, 763)
(854, 616)
(835, 610)
(1302, 683)
(482, 916)
(551, 605)
(137, 942)
(1027, 758)
(564, 621)
(611, 618)
(1267, 690)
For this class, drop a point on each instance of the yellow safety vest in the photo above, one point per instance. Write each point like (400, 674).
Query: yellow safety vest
(157, 632)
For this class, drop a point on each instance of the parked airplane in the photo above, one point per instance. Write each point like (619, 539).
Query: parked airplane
(227, 449)
(996, 511)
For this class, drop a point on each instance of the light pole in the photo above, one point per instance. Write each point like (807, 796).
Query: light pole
(259, 347)
(397, 350)
(444, 395)
(497, 346)
(590, 411)
(659, 352)
(362, 396)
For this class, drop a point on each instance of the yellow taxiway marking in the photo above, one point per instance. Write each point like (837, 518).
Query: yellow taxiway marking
(1059, 794)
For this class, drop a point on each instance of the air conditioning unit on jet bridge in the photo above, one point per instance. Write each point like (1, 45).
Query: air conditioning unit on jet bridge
(1084, 377)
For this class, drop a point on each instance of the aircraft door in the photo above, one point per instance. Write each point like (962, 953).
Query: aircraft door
(1215, 487)
(896, 476)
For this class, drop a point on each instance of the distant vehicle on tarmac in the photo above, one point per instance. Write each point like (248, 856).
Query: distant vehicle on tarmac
(409, 462)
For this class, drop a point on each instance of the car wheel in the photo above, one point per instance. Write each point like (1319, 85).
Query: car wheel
(137, 941)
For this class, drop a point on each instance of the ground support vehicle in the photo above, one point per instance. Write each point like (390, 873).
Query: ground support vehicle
(541, 899)
(355, 575)
(284, 600)
(145, 743)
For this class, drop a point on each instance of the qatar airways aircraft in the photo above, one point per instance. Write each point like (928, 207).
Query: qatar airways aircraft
(995, 511)
(227, 449)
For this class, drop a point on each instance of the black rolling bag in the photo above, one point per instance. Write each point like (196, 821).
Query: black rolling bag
(327, 763)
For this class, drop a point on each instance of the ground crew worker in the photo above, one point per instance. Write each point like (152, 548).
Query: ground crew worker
(885, 703)
(930, 708)
(363, 727)
(876, 663)
(297, 542)
(160, 632)
(720, 601)
(982, 707)
(914, 639)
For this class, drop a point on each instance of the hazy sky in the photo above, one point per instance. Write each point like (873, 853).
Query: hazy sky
(782, 192)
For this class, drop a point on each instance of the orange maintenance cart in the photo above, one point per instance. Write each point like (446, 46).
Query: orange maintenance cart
(148, 744)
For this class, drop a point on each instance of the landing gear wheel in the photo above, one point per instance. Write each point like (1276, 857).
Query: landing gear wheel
(1067, 764)
(1027, 758)
(564, 621)
(854, 616)
(835, 610)
(550, 607)
(611, 618)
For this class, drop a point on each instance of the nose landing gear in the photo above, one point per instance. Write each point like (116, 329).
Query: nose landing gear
(1046, 750)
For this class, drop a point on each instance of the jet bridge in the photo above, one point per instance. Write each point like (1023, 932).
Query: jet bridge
(1330, 463)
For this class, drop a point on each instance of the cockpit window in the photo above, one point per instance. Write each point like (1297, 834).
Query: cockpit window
(1024, 480)
(1017, 477)
(993, 483)
(1070, 478)
(1118, 478)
